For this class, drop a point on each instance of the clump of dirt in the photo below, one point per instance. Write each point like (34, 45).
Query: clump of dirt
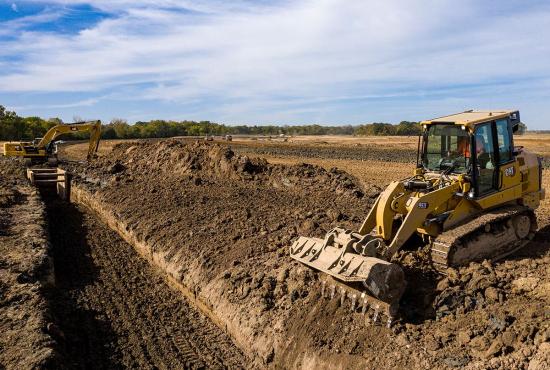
(490, 315)
(221, 224)
(25, 270)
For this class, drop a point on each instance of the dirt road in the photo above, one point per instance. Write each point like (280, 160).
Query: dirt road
(115, 311)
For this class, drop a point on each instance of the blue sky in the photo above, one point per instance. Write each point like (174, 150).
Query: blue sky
(282, 62)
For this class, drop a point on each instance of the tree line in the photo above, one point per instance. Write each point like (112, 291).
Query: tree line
(14, 127)
(119, 128)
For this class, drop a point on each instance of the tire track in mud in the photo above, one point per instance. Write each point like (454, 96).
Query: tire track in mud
(115, 311)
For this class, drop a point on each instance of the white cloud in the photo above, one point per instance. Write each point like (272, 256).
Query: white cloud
(80, 103)
(248, 57)
(14, 7)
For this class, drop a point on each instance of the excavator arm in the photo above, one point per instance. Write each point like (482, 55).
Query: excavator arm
(93, 126)
(43, 148)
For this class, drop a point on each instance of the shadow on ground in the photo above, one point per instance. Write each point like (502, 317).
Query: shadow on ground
(86, 341)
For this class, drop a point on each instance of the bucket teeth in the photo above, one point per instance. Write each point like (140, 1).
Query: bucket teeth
(376, 313)
(373, 311)
(368, 319)
(342, 296)
(365, 305)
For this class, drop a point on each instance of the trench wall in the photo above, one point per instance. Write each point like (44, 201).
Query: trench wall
(291, 352)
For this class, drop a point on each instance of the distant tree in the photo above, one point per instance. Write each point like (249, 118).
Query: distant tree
(55, 121)
(120, 127)
(12, 127)
(406, 128)
(36, 127)
(108, 132)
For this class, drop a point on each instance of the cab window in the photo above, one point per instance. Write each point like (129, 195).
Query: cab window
(447, 148)
(485, 158)
(504, 141)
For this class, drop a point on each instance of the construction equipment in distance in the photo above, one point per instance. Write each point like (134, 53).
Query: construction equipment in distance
(44, 149)
(51, 180)
(472, 197)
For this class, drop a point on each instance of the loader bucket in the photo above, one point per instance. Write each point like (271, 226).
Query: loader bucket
(358, 277)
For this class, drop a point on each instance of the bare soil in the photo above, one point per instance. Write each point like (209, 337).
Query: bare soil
(220, 224)
(104, 306)
(114, 310)
(395, 149)
(26, 270)
(209, 229)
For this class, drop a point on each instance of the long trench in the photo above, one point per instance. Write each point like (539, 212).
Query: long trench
(113, 310)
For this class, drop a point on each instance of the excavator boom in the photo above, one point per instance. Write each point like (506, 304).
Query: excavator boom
(43, 150)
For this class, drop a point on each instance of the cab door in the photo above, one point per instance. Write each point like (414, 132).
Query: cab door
(508, 166)
(485, 159)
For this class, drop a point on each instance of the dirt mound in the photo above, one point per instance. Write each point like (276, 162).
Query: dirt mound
(200, 162)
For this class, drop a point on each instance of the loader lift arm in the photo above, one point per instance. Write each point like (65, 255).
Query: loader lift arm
(392, 201)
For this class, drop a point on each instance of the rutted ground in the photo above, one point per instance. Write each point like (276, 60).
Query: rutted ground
(115, 311)
(25, 271)
(220, 225)
(104, 307)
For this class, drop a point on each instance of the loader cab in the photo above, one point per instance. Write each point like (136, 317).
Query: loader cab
(477, 144)
(447, 148)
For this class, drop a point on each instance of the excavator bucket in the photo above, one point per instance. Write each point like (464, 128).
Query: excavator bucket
(353, 271)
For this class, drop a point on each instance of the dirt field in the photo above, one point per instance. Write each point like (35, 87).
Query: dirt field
(230, 246)
(26, 271)
(174, 218)
(108, 308)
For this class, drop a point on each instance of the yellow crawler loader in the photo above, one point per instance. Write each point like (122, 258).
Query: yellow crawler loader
(472, 197)
(44, 149)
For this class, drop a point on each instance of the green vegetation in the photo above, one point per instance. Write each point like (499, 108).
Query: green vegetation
(158, 128)
(14, 127)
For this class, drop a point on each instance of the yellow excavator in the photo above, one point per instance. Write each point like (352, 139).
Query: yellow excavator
(472, 197)
(44, 149)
